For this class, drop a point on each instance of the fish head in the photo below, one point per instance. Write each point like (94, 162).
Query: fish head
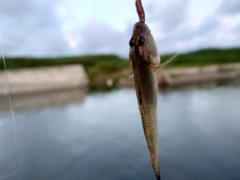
(143, 44)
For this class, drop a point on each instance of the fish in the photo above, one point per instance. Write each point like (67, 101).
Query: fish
(145, 63)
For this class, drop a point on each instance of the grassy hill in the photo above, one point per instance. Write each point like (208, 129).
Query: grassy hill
(101, 67)
(197, 58)
(206, 57)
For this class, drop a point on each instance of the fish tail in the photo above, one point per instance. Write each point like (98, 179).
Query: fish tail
(157, 173)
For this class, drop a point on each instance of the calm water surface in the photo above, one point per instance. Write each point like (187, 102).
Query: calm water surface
(100, 136)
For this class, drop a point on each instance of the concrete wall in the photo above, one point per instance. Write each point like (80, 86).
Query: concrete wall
(35, 80)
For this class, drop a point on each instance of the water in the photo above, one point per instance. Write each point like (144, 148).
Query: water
(69, 136)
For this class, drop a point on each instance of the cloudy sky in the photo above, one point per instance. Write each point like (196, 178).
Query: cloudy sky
(79, 27)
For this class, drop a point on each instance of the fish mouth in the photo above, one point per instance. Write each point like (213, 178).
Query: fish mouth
(140, 50)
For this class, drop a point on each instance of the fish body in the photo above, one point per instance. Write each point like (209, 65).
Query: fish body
(145, 61)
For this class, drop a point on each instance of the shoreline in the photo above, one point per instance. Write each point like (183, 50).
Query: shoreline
(174, 77)
(56, 78)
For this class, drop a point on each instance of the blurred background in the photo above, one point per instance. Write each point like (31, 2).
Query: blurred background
(75, 112)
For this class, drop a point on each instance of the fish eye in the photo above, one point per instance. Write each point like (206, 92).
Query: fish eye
(131, 42)
(141, 39)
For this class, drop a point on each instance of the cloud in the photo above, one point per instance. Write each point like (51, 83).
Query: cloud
(229, 7)
(15, 7)
(98, 37)
(170, 15)
(184, 33)
(31, 28)
(53, 28)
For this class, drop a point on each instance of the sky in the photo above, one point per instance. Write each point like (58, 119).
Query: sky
(53, 28)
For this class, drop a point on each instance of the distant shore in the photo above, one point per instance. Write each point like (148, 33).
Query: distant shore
(107, 71)
(173, 77)
(45, 79)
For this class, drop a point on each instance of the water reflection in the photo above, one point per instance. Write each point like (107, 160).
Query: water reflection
(41, 100)
(102, 137)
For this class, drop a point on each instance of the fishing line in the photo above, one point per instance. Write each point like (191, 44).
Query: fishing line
(10, 104)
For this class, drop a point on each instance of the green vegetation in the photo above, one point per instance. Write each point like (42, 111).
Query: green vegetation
(98, 67)
(205, 57)
(101, 67)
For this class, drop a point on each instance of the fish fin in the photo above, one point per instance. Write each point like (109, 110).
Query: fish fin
(130, 76)
(154, 59)
(168, 61)
(157, 68)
